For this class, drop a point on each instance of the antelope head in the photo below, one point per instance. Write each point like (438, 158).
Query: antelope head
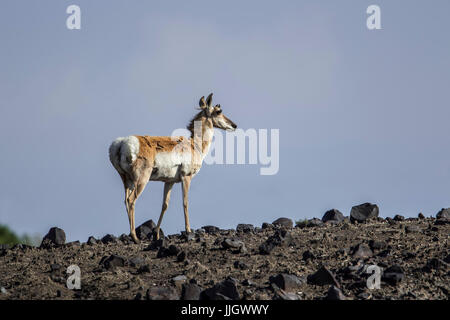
(215, 114)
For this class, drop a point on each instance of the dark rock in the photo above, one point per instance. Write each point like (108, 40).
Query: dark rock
(282, 295)
(287, 282)
(109, 238)
(245, 228)
(174, 250)
(190, 291)
(145, 230)
(233, 244)
(211, 229)
(333, 215)
(248, 283)
(435, 264)
(443, 214)
(398, 217)
(391, 221)
(55, 267)
(335, 293)
(364, 212)
(266, 225)
(125, 238)
(362, 251)
(408, 255)
(200, 232)
(377, 245)
(164, 252)
(181, 256)
(384, 253)
(393, 275)
(156, 244)
(113, 261)
(442, 221)
(447, 259)
(283, 222)
(138, 296)
(91, 241)
(308, 255)
(225, 290)
(144, 269)
(187, 236)
(314, 222)
(54, 237)
(279, 238)
(421, 216)
(413, 229)
(136, 262)
(162, 293)
(240, 265)
(323, 277)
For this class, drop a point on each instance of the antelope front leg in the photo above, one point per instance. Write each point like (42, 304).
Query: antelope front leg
(186, 183)
(166, 198)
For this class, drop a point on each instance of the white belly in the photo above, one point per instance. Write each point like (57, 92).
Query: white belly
(169, 166)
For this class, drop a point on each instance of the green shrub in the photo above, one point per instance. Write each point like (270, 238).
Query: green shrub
(7, 236)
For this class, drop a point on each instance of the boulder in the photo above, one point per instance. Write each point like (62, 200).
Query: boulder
(109, 238)
(54, 237)
(443, 214)
(334, 293)
(211, 229)
(393, 275)
(333, 215)
(287, 282)
(322, 277)
(362, 251)
(92, 240)
(363, 212)
(279, 238)
(245, 228)
(225, 290)
(283, 222)
(235, 244)
(314, 222)
(112, 261)
(190, 291)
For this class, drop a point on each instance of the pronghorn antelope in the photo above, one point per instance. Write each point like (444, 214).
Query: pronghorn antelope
(140, 159)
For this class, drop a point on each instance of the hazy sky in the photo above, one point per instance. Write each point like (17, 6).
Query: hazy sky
(363, 115)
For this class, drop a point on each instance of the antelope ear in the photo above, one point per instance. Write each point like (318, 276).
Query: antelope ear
(209, 100)
(202, 103)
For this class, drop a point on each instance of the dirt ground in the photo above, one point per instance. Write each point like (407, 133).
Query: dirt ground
(412, 254)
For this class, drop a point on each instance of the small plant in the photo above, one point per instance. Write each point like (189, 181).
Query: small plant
(7, 236)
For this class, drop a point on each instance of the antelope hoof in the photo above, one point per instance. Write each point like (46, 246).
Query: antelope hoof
(135, 239)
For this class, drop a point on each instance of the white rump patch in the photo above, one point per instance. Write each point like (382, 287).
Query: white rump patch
(123, 152)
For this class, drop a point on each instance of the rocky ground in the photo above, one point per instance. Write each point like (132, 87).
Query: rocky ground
(312, 260)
